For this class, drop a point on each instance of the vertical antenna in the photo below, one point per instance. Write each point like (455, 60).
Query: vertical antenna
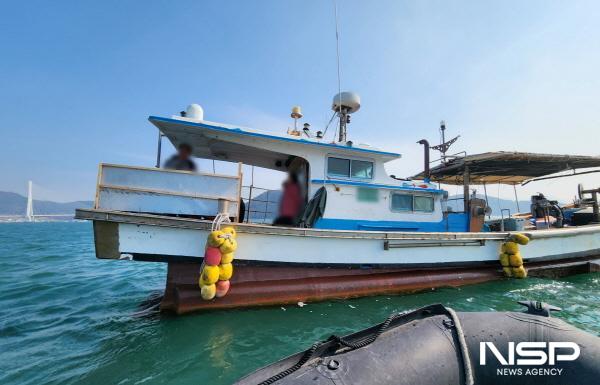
(29, 212)
(337, 48)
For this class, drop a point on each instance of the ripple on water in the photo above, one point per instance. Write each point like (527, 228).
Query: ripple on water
(69, 318)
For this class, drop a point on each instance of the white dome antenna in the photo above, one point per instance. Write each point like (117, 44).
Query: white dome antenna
(194, 111)
(344, 104)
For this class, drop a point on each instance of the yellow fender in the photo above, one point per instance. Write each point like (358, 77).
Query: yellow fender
(519, 272)
(515, 260)
(227, 258)
(208, 292)
(521, 239)
(216, 238)
(504, 260)
(229, 230)
(210, 275)
(225, 271)
(229, 245)
(507, 271)
(510, 247)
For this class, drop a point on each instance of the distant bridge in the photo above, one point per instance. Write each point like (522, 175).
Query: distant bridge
(29, 215)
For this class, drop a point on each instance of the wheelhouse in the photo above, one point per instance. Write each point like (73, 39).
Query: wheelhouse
(360, 195)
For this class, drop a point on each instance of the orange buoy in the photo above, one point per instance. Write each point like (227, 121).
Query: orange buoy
(222, 288)
(212, 256)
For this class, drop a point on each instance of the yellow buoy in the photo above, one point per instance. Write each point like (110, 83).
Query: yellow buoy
(227, 258)
(229, 230)
(210, 275)
(521, 239)
(507, 271)
(515, 260)
(229, 245)
(504, 261)
(510, 248)
(208, 292)
(216, 238)
(519, 272)
(225, 271)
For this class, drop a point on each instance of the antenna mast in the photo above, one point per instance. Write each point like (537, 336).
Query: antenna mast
(343, 120)
(444, 146)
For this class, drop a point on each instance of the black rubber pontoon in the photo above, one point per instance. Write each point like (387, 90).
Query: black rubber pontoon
(434, 345)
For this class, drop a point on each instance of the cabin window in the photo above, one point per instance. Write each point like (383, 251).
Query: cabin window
(362, 169)
(338, 167)
(409, 202)
(402, 202)
(423, 203)
(346, 168)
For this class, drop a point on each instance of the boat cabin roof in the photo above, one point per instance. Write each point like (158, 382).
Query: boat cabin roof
(507, 167)
(220, 141)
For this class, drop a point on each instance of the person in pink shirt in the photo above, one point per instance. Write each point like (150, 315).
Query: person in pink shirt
(290, 206)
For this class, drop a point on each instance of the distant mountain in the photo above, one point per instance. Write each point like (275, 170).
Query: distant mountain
(16, 204)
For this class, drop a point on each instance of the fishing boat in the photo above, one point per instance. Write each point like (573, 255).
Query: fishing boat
(362, 232)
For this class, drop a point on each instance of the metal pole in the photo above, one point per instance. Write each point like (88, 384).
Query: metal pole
(342, 137)
(516, 198)
(160, 135)
(486, 198)
(250, 195)
(466, 179)
(266, 208)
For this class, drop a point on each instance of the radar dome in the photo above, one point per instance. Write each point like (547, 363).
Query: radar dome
(349, 101)
(194, 111)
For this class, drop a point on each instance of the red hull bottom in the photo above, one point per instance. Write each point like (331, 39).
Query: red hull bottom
(278, 285)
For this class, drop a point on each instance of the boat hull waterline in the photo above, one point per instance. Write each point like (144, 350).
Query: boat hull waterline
(286, 265)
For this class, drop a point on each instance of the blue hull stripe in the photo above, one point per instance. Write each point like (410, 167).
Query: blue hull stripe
(239, 131)
(455, 222)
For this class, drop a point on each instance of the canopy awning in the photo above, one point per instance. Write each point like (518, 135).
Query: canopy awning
(210, 140)
(507, 167)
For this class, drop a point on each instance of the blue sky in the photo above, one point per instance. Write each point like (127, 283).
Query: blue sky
(79, 78)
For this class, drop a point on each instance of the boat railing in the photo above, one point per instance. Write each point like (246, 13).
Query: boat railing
(167, 192)
(260, 204)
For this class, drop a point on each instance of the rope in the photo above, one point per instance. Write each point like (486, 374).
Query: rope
(383, 327)
(304, 359)
(327, 126)
(463, 347)
(219, 220)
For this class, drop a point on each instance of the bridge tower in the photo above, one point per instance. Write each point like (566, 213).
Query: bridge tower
(29, 212)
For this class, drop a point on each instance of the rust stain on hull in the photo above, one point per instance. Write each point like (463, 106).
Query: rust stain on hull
(262, 286)
(279, 285)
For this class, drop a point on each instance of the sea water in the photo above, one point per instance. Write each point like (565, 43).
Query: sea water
(69, 318)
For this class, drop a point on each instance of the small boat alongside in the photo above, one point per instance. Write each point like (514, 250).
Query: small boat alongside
(362, 232)
(436, 345)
